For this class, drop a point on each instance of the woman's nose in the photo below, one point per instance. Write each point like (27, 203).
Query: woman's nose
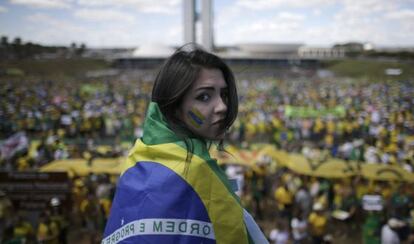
(221, 106)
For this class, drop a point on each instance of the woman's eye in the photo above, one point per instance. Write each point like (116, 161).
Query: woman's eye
(203, 97)
(225, 97)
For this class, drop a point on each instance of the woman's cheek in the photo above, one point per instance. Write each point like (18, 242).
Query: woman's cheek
(196, 118)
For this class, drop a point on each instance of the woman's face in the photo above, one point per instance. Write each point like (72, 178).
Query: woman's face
(204, 106)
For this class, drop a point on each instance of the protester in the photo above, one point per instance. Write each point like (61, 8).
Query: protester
(299, 226)
(22, 228)
(6, 213)
(194, 102)
(318, 223)
(303, 200)
(389, 232)
(284, 201)
(280, 234)
(48, 229)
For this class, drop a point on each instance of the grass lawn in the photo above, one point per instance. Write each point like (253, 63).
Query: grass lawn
(51, 69)
(370, 69)
(61, 69)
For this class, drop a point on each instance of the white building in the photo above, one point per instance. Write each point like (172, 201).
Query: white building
(321, 52)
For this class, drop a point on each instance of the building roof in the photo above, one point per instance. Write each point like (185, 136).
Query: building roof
(154, 50)
(269, 47)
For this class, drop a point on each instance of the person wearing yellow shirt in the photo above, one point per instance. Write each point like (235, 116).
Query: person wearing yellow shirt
(23, 163)
(329, 140)
(348, 128)
(386, 191)
(47, 230)
(23, 228)
(106, 204)
(284, 200)
(340, 128)
(330, 126)
(318, 129)
(277, 124)
(318, 223)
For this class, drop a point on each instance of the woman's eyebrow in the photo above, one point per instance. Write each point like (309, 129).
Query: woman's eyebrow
(210, 88)
(205, 88)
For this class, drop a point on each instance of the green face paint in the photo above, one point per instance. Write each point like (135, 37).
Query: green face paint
(196, 118)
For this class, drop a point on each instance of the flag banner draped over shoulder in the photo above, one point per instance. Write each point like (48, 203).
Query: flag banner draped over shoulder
(161, 198)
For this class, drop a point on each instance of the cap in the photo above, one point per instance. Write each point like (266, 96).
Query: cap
(395, 223)
(318, 206)
(54, 202)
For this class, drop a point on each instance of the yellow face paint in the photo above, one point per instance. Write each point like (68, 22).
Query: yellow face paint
(196, 118)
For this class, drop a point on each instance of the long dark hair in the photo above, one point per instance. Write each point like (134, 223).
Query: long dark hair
(175, 78)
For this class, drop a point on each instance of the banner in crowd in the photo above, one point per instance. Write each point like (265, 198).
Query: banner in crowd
(91, 88)
(83, 167)
(34, 191)
(320, 167)
(307, 112)
(13, 145)
(253, 158)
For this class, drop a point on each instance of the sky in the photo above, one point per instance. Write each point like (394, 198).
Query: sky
(132, 23)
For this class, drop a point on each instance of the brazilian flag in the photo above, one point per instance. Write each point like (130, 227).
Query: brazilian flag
(161, 198)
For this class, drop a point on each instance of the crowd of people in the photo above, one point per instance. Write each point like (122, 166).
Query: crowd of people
(72, 119)
(81, 219)
(69, 120)
(376, 126)
(306, 209)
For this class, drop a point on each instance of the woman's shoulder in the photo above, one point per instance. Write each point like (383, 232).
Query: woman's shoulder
(148, 174)
(150, 194)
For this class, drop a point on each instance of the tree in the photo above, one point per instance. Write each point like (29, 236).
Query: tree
(4, 41)
(81, 49)
(17, 41)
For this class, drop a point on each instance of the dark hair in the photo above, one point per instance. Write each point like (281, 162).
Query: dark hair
(177, 75)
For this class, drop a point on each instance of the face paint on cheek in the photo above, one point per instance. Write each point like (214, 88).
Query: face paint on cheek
(196, 118)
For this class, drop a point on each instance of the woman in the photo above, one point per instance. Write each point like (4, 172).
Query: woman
(172, 191)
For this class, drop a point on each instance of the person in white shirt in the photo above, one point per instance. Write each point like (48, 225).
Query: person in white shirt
(389, 233)
(280, 234)
(299, 227)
